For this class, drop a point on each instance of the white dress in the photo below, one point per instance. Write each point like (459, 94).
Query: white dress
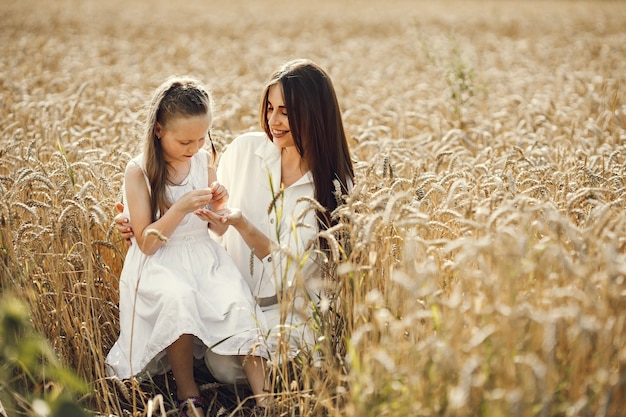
(189, 286)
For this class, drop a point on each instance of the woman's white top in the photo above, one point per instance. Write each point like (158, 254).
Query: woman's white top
(250, 169)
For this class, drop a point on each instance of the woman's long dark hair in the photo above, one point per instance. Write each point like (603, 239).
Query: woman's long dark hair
(317, 128)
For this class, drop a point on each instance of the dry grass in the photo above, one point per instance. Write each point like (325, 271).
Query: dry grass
(485, 268)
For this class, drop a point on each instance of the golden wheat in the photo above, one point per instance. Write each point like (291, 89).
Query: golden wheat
(482, 250)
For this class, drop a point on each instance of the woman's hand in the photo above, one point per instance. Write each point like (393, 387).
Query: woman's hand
(122, 224)
(221, 219)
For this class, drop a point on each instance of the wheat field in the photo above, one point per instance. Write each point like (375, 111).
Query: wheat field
(482, 253)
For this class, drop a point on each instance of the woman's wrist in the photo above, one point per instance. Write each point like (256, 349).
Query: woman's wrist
(242, 225)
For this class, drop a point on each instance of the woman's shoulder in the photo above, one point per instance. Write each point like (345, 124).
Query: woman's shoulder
(245, 145)
(248, 139)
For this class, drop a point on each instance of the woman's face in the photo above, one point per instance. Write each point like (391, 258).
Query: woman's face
(277, 117)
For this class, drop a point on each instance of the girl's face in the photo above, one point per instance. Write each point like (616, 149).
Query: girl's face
(277, 117)
(183, 137)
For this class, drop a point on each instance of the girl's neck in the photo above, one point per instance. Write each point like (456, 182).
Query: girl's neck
(177, 173)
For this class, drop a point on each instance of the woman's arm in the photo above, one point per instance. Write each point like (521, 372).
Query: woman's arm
(256, 240)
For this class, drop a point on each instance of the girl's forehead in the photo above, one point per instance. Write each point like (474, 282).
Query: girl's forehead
(182, 121)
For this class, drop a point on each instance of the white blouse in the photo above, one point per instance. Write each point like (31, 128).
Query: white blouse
(250, 169)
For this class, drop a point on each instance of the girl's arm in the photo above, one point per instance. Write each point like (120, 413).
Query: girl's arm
(139, 209)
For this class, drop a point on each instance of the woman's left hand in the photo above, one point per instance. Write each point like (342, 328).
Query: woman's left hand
(226, 216)
(219, 220)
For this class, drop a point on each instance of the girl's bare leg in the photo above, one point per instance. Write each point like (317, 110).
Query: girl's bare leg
(180, 355)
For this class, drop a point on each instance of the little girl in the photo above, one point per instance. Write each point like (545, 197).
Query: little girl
(180, 292)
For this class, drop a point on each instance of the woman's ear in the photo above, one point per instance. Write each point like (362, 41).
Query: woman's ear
(158, 130)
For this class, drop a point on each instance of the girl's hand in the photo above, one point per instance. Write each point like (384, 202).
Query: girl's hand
(190, 202)
(122, 225)
(193, 200)
(220, 196)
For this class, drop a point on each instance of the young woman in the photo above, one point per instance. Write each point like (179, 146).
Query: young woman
(273, 177)
(180, 292)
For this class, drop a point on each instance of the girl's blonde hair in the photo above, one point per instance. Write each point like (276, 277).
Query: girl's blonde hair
(176, 97)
